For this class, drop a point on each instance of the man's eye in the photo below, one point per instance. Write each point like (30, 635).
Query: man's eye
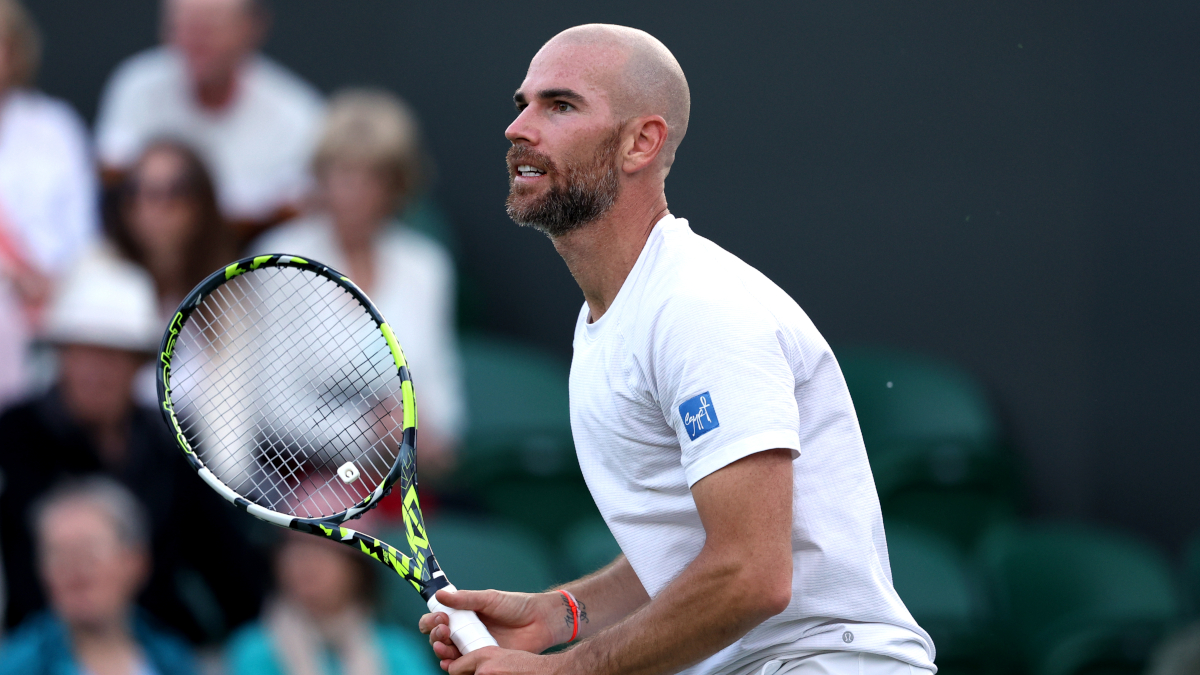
(562, 106)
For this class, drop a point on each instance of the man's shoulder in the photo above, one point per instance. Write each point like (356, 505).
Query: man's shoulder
(693, 280)
(274, 81)
(146, 71)
(46, 113)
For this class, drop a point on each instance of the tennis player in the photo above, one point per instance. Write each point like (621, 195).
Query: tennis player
(712, 422)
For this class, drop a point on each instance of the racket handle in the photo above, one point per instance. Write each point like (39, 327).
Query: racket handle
(467, 631)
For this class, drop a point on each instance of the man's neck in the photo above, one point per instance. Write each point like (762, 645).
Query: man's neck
(601, 255)
(217, 93)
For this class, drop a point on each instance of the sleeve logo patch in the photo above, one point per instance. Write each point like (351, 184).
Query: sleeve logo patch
(699, 416)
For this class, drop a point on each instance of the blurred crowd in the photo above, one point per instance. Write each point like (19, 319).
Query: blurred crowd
(116, 559)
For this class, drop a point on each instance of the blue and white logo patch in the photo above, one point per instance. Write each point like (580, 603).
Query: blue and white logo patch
(699, 416)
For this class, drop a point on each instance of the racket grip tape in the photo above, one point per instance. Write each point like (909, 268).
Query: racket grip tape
(467, 631)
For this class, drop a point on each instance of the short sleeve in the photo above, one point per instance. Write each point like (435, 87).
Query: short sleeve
(723, 380)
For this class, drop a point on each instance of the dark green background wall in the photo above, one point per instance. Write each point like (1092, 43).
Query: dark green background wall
(1011, 185)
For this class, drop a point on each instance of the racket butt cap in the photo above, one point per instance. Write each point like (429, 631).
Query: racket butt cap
(467, 631)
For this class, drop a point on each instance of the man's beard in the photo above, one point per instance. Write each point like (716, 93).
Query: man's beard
(586, 192)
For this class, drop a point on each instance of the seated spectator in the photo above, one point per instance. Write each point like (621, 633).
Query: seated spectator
(92, 557)
(167, 221)
(324, 627)
(253, 121)
(47, 193)
(104, 323)
(368, 164)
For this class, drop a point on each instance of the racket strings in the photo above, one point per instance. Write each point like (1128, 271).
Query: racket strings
(281, 377)
(295, 466)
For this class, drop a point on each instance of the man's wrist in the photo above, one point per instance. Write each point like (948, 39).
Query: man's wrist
(554, 612)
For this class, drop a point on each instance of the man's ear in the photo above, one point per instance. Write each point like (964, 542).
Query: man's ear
(648, 135)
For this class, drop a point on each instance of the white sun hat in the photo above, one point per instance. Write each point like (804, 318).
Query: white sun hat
(105, 301)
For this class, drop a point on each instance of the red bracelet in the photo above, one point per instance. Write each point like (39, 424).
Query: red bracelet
(574, 613)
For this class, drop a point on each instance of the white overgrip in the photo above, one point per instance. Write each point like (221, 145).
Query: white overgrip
(467, 631)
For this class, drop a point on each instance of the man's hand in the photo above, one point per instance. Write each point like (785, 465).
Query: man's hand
(527, 622)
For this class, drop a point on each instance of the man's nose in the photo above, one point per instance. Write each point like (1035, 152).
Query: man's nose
(522, 129)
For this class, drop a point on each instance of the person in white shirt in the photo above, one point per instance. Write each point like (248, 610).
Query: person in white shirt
(253, 121)
(711, 420)
(48, 193)
(369, 165)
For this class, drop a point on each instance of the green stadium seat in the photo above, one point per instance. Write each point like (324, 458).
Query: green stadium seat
(903, 397)
(476, 554)
(519, 420)
(942, 592)
(934, 442)
(546, 506)
(518, 458)
(588, 545)
(1191, 573)
(1075, 599)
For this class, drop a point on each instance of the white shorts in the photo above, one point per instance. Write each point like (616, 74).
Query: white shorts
(842, 663)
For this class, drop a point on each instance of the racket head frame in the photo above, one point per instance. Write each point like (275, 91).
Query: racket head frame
(421, 568)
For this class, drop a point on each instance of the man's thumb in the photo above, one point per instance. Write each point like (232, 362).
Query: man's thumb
(472, 600)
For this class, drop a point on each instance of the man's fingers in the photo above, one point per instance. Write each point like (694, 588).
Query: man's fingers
(430, 621)
(446, 650)
(466, 665)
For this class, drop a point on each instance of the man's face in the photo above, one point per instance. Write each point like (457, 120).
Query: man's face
(562, 165)
(91, 576)
(213, 35)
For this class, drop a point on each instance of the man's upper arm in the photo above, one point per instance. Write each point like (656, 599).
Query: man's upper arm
(746, 510)
(724, 382)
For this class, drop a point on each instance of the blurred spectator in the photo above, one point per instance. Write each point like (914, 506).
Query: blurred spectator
(47, 192)
(368, 164)
(167, 221)
(321, 623)
(252, 120)
(92, 558)
(103, 320)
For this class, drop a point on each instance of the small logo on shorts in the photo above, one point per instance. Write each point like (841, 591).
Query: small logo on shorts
(847, 637)
(699, 416)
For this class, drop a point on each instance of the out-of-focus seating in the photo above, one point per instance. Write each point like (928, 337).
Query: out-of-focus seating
(587, 546)
(478, 554)
(1076, 599)
(518, 461)
(945, 596)
(519, 415)
(934, 441)
(1191, 573)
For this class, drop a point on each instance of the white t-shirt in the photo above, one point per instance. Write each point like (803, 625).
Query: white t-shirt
(414, 290)
(48, 190)
(258, 148)
(700, 361)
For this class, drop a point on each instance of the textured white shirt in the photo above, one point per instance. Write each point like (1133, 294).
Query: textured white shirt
(414, 290)
(700, 361)
(258, 147)
(48, 190)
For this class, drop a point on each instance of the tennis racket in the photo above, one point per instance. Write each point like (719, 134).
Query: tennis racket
(289, 395)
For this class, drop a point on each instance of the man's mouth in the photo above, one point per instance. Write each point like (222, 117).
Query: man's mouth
(529, 171)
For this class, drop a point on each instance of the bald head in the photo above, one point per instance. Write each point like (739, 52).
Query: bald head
(639, 74)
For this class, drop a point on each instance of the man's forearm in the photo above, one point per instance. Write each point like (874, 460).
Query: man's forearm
(702, 611)
(605, 597)
(742, 577)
